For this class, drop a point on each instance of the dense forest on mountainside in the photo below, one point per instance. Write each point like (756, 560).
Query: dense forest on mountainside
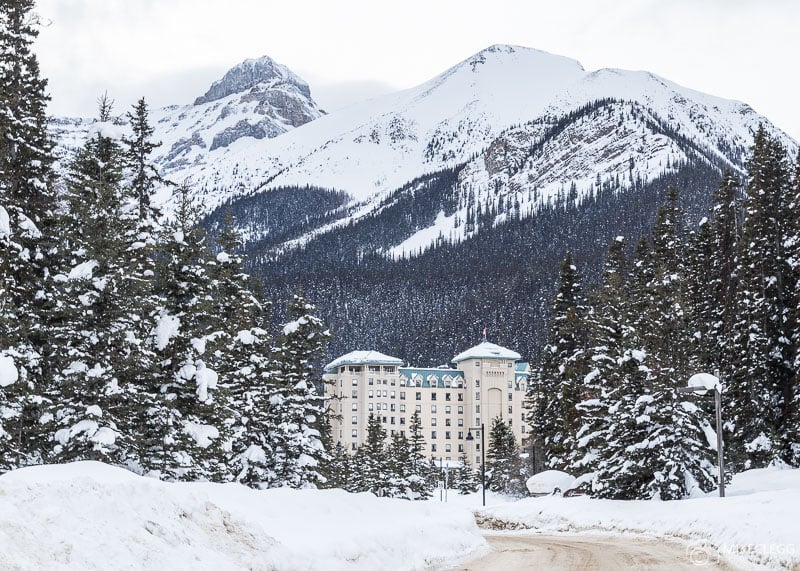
(427, 308)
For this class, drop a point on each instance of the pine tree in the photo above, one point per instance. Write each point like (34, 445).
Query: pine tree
(144, 177)
(467, 479)
(608, 327)
(27, 202)
(563, 367)
(100, 347)
(760, 380)
(503, 461)
(371, 460)
(188, 423)
(295, 398)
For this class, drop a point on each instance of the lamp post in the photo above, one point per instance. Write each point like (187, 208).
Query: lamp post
(699, 384)
(470, 438)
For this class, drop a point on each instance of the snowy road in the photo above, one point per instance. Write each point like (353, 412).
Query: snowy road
(518, 551)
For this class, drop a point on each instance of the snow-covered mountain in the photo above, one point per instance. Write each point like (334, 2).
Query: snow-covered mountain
(256, 99)
(488, 110)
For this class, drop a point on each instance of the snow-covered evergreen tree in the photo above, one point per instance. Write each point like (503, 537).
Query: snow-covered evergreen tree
(504, 468)
(563, 368)
(296, 401)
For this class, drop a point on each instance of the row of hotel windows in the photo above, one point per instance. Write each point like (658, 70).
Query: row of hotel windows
(391, 420)
(418, 408)
(370, 368)
(447, 385)
(417, 396)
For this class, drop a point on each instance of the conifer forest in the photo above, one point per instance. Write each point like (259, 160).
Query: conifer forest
(162, 343)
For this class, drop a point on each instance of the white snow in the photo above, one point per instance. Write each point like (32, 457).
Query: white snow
(83, 271)
(709, 382)
(206, 379)
(486, 350)
(90, 516)
(8, 371)
(168, 326)
(755, 526)
(363, 358)
(548, 481)
(202, 434)
(106, 130)
(5, 223)
(245, 337)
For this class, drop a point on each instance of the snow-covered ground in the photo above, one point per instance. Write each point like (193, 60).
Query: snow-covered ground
(91, 516)
(755, 527)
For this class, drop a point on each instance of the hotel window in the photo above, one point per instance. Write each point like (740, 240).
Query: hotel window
(460, 409)
(354, 434)
(433, 396)
(448, 409)
(477, 459)
(371, 381)
(418, 408)
(523, 428)
(510, 409)
(353, 446)
(509, 384)
(446, 396)
(460, 397)
(392, 422)
(447, 435)
(384, 406)
(369, 394)
(402, 395)
(402, 408)
(460, 447)
(433, 447)
(392, 394)
(402, 432)
(392, 382)
(388, 369)
(433, 435)
(433, 422)
(355, 382)
(461, 435)
(374, 369)
(355, 406)
(383, 420)
(385, 394)
(402, 420)
(478, 408)
(433, 409)
(477, 395)
(447, 448)
(355, 393)
(477, 383)
(354, 419)
(510, 421)
(385, 382)
(392, 432)
(510, 396)
(369, 406)
(393, 407)
(477, 363)
(447, 422)
(419, 396)
(461, 422)
(477, 420)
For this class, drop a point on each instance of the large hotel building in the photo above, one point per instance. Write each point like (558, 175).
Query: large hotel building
(484, 383)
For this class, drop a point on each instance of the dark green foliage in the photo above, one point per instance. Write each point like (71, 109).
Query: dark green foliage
(504, 465)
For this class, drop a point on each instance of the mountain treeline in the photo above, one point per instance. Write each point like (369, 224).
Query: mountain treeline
(720, 298)
(131, 339)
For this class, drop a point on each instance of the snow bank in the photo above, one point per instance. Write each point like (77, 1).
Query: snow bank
(90, 516)
(756, 526)
(546, 482)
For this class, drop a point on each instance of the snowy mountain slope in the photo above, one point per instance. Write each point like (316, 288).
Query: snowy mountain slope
(256, 99)
(372, 149)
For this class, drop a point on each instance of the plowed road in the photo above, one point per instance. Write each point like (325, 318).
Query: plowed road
(518, 551)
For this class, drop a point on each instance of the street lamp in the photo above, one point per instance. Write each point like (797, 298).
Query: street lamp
(700, 384)
(470, 438)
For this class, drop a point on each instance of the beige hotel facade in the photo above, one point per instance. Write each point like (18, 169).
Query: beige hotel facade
(485, 382)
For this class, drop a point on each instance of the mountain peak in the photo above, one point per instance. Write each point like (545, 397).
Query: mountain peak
(501, 52)
(249, 74)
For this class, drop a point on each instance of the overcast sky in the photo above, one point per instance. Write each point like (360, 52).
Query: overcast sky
(171, 50)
